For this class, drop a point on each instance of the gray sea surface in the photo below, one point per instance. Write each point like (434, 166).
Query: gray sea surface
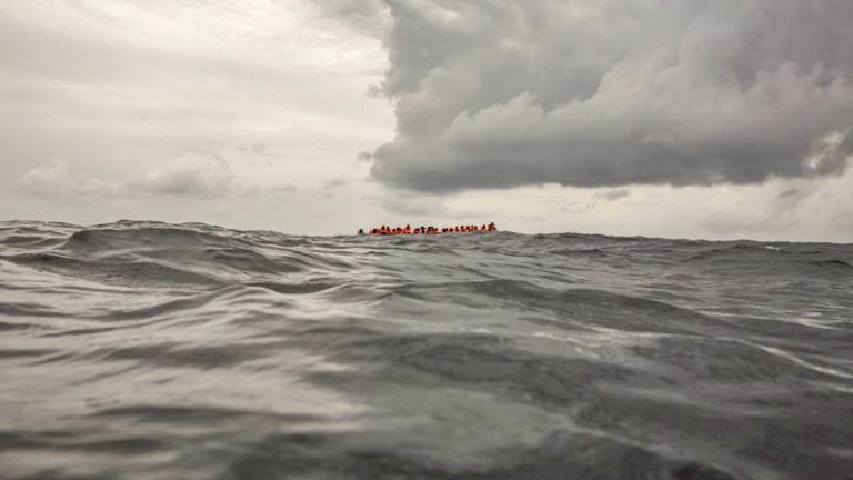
(148, 350)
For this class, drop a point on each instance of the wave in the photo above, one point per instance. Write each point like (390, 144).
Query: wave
(156, 350)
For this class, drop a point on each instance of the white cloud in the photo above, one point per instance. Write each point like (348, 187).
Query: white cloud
(812, 209)
(57, 179)
(115, 88)
(189, 175)
(194, 175)
(121, 90)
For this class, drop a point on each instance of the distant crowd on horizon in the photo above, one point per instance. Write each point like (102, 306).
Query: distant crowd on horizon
(408, 230)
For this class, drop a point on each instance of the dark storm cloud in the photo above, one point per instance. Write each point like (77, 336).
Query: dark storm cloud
(615, 92)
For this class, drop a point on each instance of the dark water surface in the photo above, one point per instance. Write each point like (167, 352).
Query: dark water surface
(144, 350)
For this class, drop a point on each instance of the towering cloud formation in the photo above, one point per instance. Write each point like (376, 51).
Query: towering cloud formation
(502, 93)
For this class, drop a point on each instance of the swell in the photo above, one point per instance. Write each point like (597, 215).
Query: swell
(122, 270)
(165, 257)
(214, 353)
(580, 306)
(770, 259)
(562, 455)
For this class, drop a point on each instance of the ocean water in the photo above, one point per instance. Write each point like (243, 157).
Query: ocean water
(147, 350)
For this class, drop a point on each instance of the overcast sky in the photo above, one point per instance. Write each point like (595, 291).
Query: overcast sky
(676, 118)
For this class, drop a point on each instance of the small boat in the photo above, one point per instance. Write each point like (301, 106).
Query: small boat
(408, 230)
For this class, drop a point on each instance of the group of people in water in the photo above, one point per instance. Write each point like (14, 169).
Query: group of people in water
(408, 230)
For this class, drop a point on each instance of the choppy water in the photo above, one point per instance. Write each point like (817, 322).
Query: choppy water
(143, 350)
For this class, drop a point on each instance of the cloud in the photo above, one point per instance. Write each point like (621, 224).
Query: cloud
(413, 207)
(594, 200)
(613, 195)
(190, 176)
(366, 15)
(804, 208)
(334, 183)
(499, 94)
(364, 157)
(57, 179)
(431, 208)
(789, 193)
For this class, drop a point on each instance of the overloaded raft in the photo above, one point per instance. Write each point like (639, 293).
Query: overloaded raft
(408, 230)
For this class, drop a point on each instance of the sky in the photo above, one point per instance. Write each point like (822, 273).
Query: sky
(662, 118)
